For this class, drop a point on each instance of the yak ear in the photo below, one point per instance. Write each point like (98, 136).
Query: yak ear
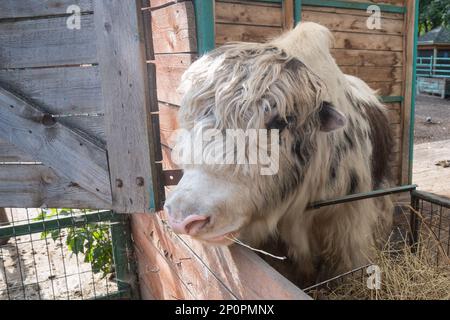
(330, 118)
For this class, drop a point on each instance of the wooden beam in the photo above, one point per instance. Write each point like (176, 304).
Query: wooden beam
(32, 8)
(288, 14)
(128, 102)
(48, 141)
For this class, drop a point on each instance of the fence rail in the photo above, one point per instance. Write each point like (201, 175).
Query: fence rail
(433, 67)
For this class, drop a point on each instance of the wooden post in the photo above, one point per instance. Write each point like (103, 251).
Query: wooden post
(128, 102)
(288, 14)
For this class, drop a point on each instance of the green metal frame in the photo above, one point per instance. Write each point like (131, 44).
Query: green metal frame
(413, 92)
(297, 11)
(120, 237)
(204, 19)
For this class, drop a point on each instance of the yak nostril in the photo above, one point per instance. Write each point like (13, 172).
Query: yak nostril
(191, 225)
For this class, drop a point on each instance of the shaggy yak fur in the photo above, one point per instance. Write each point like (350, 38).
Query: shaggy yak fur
(334, 140)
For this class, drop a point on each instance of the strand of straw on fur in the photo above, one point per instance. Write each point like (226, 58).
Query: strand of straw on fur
(436, 238)
(236, 240)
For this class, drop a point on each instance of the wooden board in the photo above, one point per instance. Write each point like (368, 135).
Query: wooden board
(92, 127)
(128, 102)
(169, 69)
(209, 272)
(352, 23)
(369, 58)
(61, 91)
(248, 14)
(355, 12)
(359, 41)
(230, 32)
(46, 42)
(10, 153)
(33, 8)
(50, 142)
(374, 74)
(173, 28)
(35, 186)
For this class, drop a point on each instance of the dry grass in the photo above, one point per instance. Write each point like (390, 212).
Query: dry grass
(423, 275)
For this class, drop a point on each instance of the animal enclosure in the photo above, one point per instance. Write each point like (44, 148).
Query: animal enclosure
(87, 115)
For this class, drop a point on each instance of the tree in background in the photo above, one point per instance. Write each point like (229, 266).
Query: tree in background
(433, 14)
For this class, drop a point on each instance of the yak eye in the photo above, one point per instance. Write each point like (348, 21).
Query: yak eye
(279, 123)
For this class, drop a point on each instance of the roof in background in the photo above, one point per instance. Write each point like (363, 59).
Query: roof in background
(440, 35)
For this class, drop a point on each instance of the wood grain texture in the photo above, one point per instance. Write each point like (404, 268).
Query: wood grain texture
(386, 88)
(406, 167)
(359, 41)
(174, 28)
(169, 69)
(229, 32)
(127, 104)
(92, 127)
(46, 42)
(369, 58)
(32, 8)
(10, 153)
(355, 12)
(353, 23)
(212, 272)
(35, 186)
(288, 14)
(248, 14)
(373, 74)
(48, 141)
(61, 91)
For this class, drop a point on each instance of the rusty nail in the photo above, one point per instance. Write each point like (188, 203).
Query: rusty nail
(140, 181)
(119, 183)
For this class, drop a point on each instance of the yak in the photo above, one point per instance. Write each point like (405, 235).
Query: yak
(334, 139)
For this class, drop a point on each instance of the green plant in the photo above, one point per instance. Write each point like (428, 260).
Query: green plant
(92, 240)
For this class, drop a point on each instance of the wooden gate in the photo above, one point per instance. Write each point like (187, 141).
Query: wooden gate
(76, 107)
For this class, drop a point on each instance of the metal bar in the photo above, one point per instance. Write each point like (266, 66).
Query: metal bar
(361, 196)
(414, 222)
(57, 223)
(297, 11)
(413, 93)
(430, 197)
(204, 17)
(353, 5)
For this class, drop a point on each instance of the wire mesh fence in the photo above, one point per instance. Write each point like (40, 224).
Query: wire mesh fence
(65, 254)
(426, 222)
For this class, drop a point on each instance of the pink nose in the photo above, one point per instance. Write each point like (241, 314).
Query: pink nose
(190, 226)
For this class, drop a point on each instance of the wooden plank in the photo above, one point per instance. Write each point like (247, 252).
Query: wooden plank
(169, 69)
(386, 89)
(353, 23)
(180, 273)
(288, 14)
(359, 41)
(10, 153)
(354, 5)
(386, 15)
(373, 74)
(168, 121)
(252, 277)
(248, 14)
(409, 78)
(35, 186)
(229, 32)
(369, 58)
(32, 8)
(62, 91)
(173, 28)
(68, 153)
(92, 127)
(46, 42)
(128, 104)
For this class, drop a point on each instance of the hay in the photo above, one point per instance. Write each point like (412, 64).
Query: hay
(423, 275)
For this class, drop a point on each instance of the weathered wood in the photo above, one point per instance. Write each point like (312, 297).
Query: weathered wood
(369, 58)
(174, 28)
(32, 8)
(373, 74)
(168, 118)
(125, 87)
(409, 78)
(92, 127)
(3, 222)
(62, 91)
(252, 277)
(46, 42)
(288, 14)
(355, 12)
(180, 273)
(10, 153)
(48, 141)
(386, 89)
(169, 69)
(248, 14)
(234, 32)
(353, 23)
(35, 186)
(359, 41)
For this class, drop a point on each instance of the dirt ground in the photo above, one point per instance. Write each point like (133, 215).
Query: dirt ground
(439, 111)
(32, 268)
